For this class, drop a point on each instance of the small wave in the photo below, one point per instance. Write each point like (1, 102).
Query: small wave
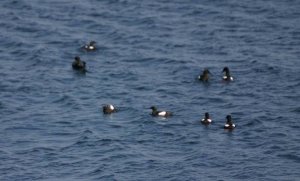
(294, 157)
(296, 110)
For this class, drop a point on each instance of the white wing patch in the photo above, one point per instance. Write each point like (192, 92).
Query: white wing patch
(208, 120)
(111, 107)
(225, 77)
(227, 125)
(162, 113)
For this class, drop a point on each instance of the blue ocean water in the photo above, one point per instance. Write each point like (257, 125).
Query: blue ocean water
(149, 53)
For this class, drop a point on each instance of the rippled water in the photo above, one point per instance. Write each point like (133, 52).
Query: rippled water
(149, 53)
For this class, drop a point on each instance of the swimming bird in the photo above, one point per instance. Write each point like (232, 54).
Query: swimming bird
(108, 109)
(229, 124)
(227, 75)
(90, 46)
(155, 112)
(205, 75)
(78, 64)
(206, 120)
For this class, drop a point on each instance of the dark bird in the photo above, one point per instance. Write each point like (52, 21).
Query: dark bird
(78, 64)
(90, 46)
(229, 124)
(108, 109)
(205, 75)
(155, 112)
(227, 75)
(206, 120)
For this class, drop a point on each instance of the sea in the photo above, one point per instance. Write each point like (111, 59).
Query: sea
(149, 53)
